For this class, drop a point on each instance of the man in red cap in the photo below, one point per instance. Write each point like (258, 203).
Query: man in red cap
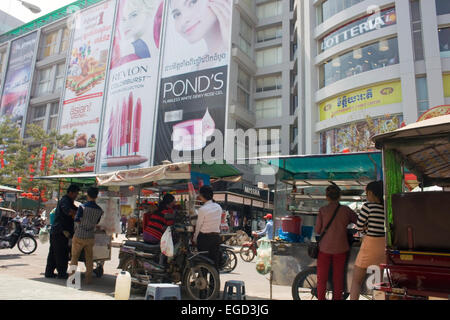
(268, 230)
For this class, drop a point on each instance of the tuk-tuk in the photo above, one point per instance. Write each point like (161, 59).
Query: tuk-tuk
(417, 223)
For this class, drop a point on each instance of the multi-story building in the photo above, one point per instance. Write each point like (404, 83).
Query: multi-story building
(306, 68)
(8, 22)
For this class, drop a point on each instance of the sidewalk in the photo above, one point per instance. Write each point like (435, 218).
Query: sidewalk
(13, 288)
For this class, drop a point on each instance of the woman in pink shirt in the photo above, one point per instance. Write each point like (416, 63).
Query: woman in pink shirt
(334, 247)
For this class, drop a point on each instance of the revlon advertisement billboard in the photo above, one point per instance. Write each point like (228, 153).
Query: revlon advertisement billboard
(193, 87)
(132, 87)
(18, 78)
(85, 84)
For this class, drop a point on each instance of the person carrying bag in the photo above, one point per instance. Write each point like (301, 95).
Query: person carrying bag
(332, 248)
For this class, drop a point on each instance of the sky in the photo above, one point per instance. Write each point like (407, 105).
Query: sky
(15, 8)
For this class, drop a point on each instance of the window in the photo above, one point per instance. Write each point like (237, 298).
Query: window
(55, 42)
(444, 42)
(422, 95)
(269, 34)
(2, 64)
(53, 120)
(417, 30)
(59, 81)
(50, 44)
(37, 115)
(44, 81)
(374, 56)
(245, 37)
(243, 90)
(329, 8)
(268, 57)
(268, 83)
(270, 9)
(268, 108)
(442, 7)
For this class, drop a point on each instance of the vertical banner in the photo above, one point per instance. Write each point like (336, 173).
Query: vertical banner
(18, 78)
(85, 84)
(132, 88)
(194, 78)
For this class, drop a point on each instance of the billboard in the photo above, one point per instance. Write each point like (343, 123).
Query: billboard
(85, 85)
(194, 77)
(373, 96)
(132, 86)
(18, 78)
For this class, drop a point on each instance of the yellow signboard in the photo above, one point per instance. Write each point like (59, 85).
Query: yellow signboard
(374, 96)
(446, 85)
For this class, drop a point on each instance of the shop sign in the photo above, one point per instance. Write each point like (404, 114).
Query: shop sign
(362, 26)
(235, 199)
(252, 190)
(258, 204)
(247, 202)
(374, 96)
(219, 197)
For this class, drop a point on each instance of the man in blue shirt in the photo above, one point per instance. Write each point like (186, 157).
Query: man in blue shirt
(268, 230)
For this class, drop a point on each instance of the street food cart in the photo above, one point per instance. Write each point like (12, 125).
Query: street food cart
(417, 223)
(300, 191)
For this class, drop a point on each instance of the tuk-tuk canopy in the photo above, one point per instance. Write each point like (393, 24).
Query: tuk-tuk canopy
(424, 149)
(348, 169)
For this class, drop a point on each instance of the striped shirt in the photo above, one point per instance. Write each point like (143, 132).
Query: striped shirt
(88, 216)
(156, 223)
(372, 218)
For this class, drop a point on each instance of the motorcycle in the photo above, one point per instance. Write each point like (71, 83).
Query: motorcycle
(196, 272)
(228, 259)
(249, 249)
(14, 233)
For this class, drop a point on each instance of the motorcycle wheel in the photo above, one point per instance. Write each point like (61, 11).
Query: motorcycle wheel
(27, 244)
(202, 282)
(304, 286)
(129, 267)
(231, 261)
(246, 253)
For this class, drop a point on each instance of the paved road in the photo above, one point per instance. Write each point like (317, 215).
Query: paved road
(24, 275)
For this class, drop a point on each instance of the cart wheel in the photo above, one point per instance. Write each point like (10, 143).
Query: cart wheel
(304, 286)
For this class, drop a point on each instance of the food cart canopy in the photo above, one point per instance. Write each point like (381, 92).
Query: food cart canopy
(424, 148)
(348, 169)
(166, 174)
(9, 189)
(80, 178)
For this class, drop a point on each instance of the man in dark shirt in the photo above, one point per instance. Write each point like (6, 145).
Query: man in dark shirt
(61, 232)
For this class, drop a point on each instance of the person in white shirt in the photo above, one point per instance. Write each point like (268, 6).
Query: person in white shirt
(207, 230)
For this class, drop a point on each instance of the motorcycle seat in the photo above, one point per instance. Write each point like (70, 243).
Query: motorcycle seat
(144, 247)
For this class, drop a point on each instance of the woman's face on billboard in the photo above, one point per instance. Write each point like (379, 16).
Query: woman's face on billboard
(193, 18)
(133, 21)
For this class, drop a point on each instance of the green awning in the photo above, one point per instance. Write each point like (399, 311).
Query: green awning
(346, 167)
(216, 171)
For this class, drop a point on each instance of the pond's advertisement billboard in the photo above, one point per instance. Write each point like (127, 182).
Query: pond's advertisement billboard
(18, 78)
(194, 77)
(132, 86)
(85, 84)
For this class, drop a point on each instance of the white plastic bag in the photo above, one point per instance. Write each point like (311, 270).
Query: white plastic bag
(44, 235)
(264, 256)
(167, 243)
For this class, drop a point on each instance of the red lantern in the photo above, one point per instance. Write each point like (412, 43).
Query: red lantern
(35, 190)
(50, 161)
(2, 160)
(19, 180)
(23, 194)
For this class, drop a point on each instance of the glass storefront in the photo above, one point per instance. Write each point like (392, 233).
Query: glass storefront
(442, 7)
(359, 27)
(356, 137)
(377, 55)
(330, 7)
(444, 42)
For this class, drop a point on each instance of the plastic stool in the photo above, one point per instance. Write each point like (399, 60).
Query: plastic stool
(228, 293)
(163, 291)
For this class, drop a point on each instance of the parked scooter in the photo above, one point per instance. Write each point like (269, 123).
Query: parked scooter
(196, 272)
(228, 259)
(14, 233)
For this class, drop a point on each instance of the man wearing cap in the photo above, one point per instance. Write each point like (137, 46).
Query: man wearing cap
(268, 229)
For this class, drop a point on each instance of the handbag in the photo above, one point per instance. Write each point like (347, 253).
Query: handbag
(313, 247)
